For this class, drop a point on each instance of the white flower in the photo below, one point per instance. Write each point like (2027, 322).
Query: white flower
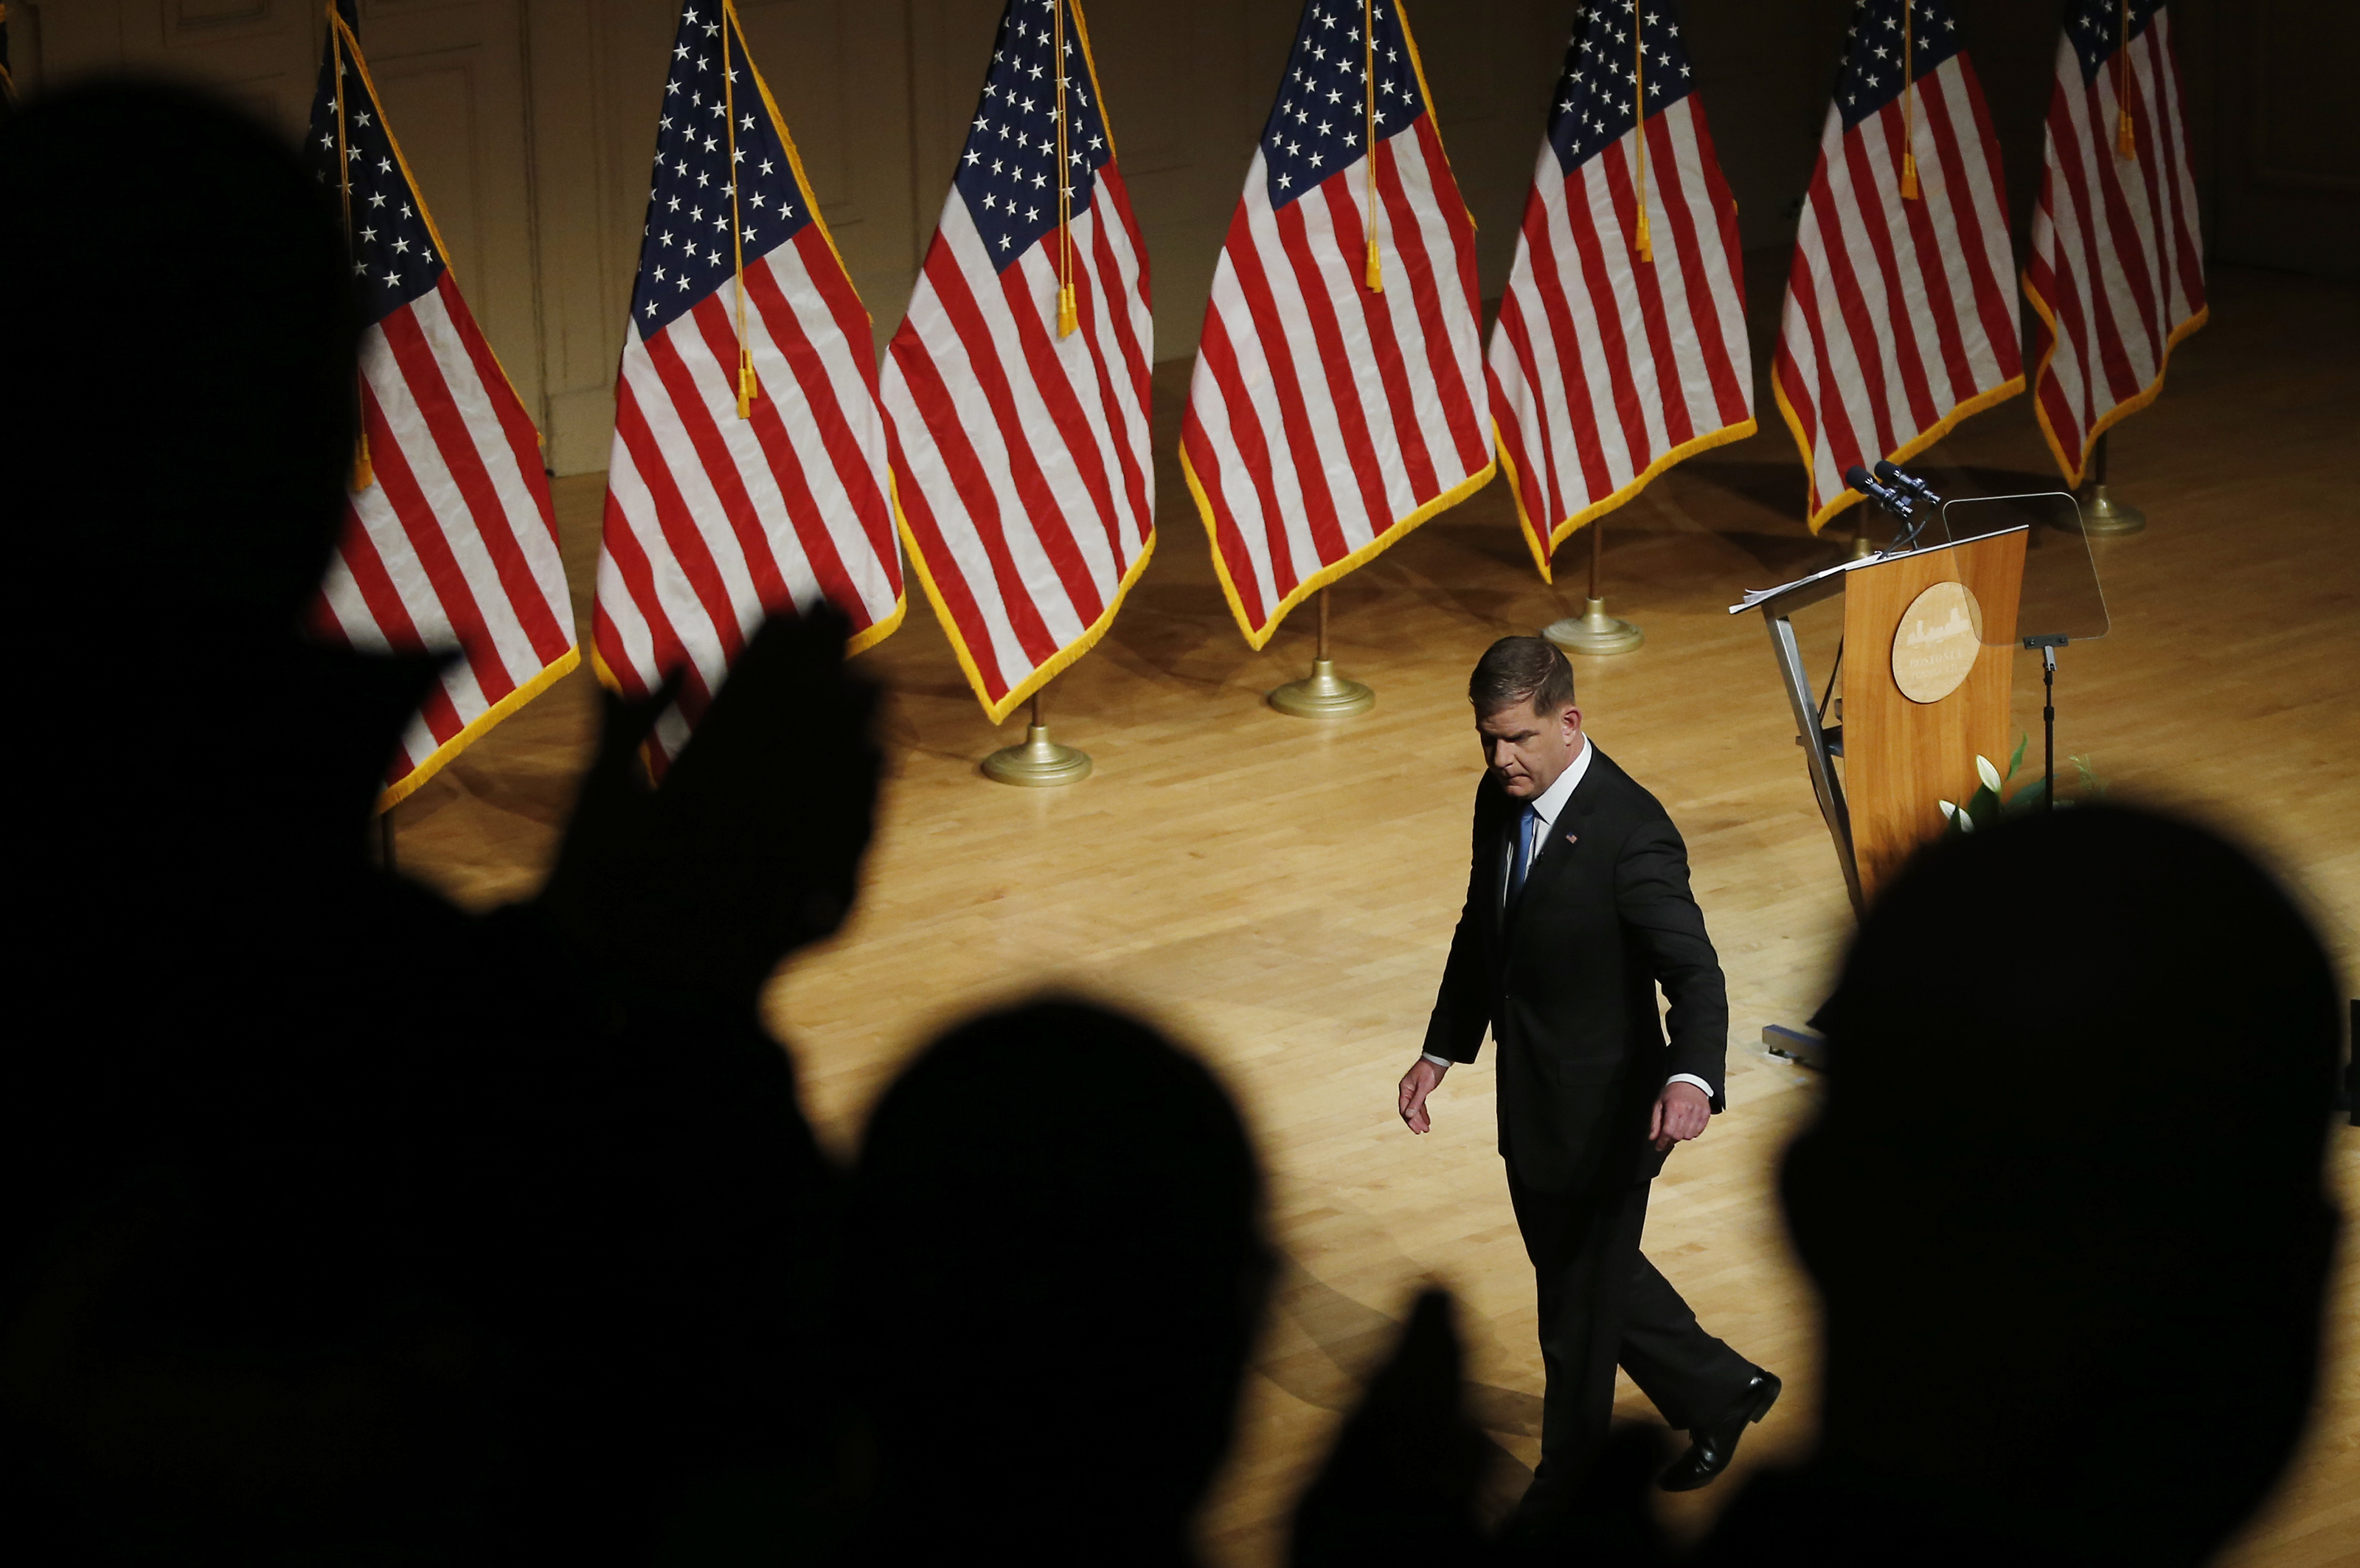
(1989, 774)
(1950, 812)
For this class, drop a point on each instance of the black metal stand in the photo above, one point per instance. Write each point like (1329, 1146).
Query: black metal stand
(2047, 646)
(2048, 728)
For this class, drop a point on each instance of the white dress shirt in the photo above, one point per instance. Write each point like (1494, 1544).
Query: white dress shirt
(1545, 808)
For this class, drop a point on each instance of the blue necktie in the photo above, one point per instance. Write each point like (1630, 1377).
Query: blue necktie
(1523, 860)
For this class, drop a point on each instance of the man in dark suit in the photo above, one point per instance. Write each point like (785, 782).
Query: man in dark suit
(1578, 908)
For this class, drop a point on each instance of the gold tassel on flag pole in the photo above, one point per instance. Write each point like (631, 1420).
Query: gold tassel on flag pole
(1068, 314)
(364, 472)
(2125, 135)
(1646, 244)
(749, 389)
(1375, 276)
(1908, 110)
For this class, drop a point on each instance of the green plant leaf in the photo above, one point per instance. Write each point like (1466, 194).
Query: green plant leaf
(2023, 739)
(2032, 797)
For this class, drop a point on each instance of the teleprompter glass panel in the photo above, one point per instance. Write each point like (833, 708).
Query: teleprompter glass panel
(2061, 595)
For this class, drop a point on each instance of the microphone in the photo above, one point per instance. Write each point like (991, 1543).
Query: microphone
(1891, 500)
(1904, 481)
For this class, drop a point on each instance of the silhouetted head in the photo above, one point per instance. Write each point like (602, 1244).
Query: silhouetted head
(1054, 1271)
(176, 411)
(2065, 1200)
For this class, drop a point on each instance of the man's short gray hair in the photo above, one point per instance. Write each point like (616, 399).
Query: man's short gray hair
(1522, 670)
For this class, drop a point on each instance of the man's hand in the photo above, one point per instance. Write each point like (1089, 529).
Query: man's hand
(1417, 1083)
(1681, 1113)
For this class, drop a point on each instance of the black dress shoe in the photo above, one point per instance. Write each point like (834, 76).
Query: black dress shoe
(1711, 1448)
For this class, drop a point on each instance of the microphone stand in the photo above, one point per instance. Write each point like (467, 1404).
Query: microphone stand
(2047, 643)
(1895, 496)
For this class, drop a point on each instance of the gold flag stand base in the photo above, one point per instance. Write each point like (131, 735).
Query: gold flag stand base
(1594, 631)
(2104, 517)
(1040, 762)
(1322, 694)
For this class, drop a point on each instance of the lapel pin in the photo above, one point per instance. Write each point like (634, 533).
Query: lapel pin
(1573, 837)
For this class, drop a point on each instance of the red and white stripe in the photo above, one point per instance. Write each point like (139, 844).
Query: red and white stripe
(1325, 421)
(453, 547)
(1898, 321)
(1604, 370)
(2117, 275)
(714, 522)
(1024, 473)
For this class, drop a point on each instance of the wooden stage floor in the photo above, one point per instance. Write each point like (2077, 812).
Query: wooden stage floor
(1280, 893)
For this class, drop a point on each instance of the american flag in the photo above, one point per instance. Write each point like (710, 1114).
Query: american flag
(1326, 419)
(448, 541)
(2117, 273)
(1608, 365)
(1021, 449)
(1898, 321)
(733, 498)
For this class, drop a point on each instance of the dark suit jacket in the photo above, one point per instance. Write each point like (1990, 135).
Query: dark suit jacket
(1565, 979)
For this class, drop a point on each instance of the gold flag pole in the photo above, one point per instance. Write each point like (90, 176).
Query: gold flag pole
(1040, 762)
(749, 389)
(1646, 244)
(2126, 134)
(1594, 631)
(1068, 312)
(1908, 108)
(1322, 694)
(1375, 273)
(363, 473)
(2103, 516)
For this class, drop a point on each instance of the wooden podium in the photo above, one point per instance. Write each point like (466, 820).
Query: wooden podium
(1928, 674)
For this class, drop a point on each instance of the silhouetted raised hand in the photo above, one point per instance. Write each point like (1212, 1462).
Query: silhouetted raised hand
(752, 846)
(1400, 1486)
